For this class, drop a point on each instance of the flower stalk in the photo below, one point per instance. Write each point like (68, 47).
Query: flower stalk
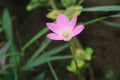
(74, 58)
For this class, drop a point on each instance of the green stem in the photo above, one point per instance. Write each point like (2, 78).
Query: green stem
(92, 77)
(74, 58)
(95, 20)
(14, 57)
(37, 36)
(52, 3)
(52, 70)
(15, 75)
(80, 2)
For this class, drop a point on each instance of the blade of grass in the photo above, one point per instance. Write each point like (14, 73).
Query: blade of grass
(44, 44)
(5, 48)
(80, 2)
(115, 16)
(37, 36)
(40, 76)
(95, 20)
(44, 57)
(99, 19)
(113, 24)
(102, 8)
(7, 25)
(52, 71)
(60, 57)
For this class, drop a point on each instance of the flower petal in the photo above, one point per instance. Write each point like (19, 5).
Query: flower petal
(53, 27)
(67, 39)
(62, 21)
(73, 22)
(77, 30)
(54, 36)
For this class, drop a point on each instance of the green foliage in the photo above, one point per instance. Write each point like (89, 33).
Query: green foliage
(113, 24)
(5, 48)
(81, 61)
(3, 56)
(68, 3)
(37, 36)
(40, 76)
(37, 59)
(52, 71)
(72, 66)
(103, 8)
(110, 75)
(36, 3)
(88, 53)
(45, 57)
(53, 14)
(95, 20)
(7, 25)
(6, 77)
(43, 45)
(115, 16)
(72, 11)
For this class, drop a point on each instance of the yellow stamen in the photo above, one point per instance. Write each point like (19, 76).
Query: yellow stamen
(66, 34)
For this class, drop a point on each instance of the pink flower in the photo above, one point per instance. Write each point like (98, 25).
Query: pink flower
(64, 29)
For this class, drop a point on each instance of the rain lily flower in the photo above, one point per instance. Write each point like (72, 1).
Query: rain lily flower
(64, 29)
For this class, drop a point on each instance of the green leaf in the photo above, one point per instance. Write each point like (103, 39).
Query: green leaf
(60, 57)
(88, 53)
(14, 55)
(46, 57)
(113, 24)
(5, 67)
(53, 14)
(71, 11)
(37, 36)
(52, 71)
(98, 19)
(33, 6)
(110, 75)
(7, 25)
(44, 44)
(103, 8)
(72, 66)
(95, 20)
(115, 16)
(40, 76)
(5, 48)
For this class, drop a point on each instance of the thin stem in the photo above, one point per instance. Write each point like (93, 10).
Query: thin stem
(52, 3)
(74, 58)
(95, 20)
(91, 72)
(14, 57)
(80, 2)
(52, 70)
(15, 75)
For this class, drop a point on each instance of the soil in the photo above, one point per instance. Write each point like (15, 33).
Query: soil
(104, 39)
